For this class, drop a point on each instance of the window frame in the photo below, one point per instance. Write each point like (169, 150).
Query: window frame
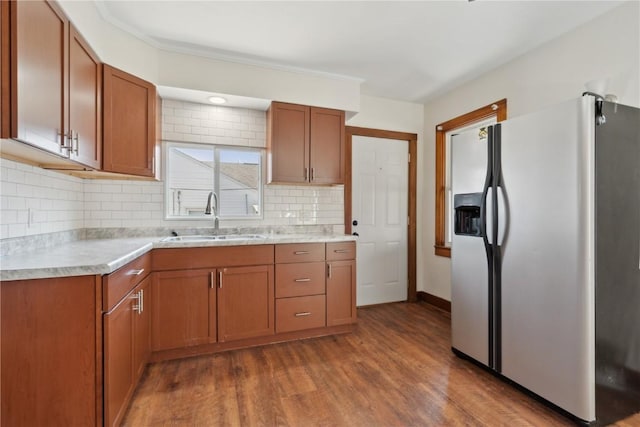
(496, 109)
(215, 180)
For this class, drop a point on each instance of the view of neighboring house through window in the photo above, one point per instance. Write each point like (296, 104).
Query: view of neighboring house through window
(196, 174)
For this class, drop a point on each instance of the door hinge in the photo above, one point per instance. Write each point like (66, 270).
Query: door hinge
(409, 158)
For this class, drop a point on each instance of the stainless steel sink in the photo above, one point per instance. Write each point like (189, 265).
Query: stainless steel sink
(199, 238)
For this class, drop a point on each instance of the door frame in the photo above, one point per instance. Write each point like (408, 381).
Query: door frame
(412, 140)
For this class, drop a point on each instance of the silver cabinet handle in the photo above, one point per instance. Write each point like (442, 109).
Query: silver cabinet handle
(135, 272)
(75, 144)
(141, 300)
(212, 279)
(313, 174)
(306, 174)
(220, 279)
(302, 280)
(138, 306)
(66, 143)
(302, 314)
(329, 270)
(301, 252)
(342, 251)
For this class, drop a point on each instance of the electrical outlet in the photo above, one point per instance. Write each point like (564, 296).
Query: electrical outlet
(30, 217)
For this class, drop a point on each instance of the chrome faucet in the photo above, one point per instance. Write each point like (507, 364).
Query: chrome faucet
(209, 209)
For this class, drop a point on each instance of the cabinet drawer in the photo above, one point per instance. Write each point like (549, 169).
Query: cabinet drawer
(294, 314)
(117, 284)
(341, 250)
(300, 279)
(299, 252)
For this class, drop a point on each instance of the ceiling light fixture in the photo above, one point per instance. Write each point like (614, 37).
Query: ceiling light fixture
(217, 100)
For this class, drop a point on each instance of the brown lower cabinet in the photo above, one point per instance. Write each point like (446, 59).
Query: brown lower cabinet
(341, 283)
(127, 349)
(245, 302)
(51, 352)
(341, 295)
(74, 348)
(182, 302)
(193, 307)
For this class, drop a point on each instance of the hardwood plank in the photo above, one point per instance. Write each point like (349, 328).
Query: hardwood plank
(395, 369)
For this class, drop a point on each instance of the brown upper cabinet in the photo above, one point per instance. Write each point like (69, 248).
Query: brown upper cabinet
(305, 144)
(129, 114)
(51, 83)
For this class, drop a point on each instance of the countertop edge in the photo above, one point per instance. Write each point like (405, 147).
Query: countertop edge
(109, 266)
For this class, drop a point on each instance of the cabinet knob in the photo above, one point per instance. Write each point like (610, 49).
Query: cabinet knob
(355, 222)
(355, 234)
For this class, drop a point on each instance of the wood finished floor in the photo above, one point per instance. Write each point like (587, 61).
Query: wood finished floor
(397, 369)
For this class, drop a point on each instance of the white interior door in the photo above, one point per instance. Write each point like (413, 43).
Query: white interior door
(380, 188)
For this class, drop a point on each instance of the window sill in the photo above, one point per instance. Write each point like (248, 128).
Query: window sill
(443, 251)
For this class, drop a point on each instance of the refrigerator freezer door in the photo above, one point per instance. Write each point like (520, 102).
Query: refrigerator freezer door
(617, 269)
(547, 267)
(469, 271)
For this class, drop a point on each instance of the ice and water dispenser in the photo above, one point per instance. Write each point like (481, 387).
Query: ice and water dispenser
(467, 214)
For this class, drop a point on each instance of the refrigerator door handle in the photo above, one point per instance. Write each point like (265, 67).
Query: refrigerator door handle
(485, 193)
(503, 223)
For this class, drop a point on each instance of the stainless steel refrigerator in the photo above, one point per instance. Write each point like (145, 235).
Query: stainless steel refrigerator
(546, 255)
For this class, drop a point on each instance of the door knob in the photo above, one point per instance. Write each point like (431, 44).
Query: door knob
(355, 234)
(355, 222)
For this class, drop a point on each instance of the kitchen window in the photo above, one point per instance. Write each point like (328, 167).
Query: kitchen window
(199, 175)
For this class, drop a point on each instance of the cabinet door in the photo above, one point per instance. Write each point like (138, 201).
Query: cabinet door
(180, 315)
(327, 146)
(142, 328)
(118, 355)
(85, 109)
(39, 89)
(245, 302)
(129, 115)
(49, 363)
(288, 142)
(341, 292)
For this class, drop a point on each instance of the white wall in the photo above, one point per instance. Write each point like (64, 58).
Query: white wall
(606, 49)
(114, 46)
(198, 73)
(389, 114)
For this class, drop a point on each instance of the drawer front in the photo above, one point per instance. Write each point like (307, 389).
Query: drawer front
(117, 284)
(341, 251)
(210, 257)
(299, 252)
(300, 279)
(294, 314)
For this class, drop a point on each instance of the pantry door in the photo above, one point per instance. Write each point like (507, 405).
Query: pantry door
(380, 217)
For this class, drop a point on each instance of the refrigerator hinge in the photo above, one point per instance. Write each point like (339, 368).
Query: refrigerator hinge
(600, 118)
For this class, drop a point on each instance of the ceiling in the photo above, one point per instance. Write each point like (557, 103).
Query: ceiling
(411, 51)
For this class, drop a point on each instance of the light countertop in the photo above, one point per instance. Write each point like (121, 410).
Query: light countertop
(104, 256)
